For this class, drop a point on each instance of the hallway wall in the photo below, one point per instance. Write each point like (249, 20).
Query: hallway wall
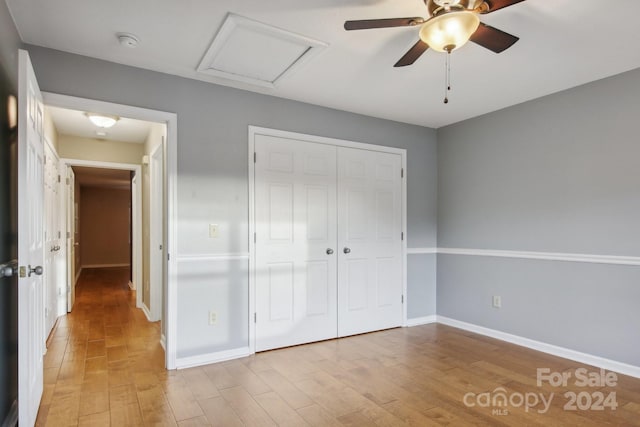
(75, 147)
(104, 227)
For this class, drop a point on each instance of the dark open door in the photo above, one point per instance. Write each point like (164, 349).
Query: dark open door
(8, 253)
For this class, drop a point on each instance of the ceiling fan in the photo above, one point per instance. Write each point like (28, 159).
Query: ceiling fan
(450, 25)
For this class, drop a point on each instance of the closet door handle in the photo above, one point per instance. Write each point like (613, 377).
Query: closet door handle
(346, 250)
(329, 251)
(38, 270)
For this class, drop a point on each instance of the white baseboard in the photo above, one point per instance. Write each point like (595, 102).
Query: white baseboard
(146, 312)
(132, 285)
(597, 361)
(417, 321)
(206, 359)
(163, 342)
(105, 265)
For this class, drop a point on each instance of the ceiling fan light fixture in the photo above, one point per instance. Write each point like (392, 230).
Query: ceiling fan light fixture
(449, 31)
(102, 120)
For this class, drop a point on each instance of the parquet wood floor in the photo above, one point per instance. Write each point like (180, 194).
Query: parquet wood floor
(104, 366)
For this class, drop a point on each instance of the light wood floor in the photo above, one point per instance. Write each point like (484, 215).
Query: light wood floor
(104, 366)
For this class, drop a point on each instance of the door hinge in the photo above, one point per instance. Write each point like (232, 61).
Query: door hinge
(402, 299)
(402, 235)
(168, 257)
(255, 157)
(58, 178)
(254, 238)
(59, 235)
(401, 172)
(255, 317)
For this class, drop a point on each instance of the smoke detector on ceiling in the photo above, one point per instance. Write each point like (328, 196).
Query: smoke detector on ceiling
(128, 40)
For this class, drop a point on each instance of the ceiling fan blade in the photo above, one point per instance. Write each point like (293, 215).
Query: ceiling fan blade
(493, 39)
(499, 4)
(414, 53)
(366, 24)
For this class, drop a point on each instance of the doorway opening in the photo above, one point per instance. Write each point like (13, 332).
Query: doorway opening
(114, 200)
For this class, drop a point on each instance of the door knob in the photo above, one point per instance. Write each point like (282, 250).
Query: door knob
(329, 251)
(346, 250)
(9, 269)
(35, 270)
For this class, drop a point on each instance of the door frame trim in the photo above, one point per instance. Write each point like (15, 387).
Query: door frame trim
(257, 130)
(171, 180)
(156, 260)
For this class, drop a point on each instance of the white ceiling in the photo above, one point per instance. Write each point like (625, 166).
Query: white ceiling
(563, 43)
(76, 123)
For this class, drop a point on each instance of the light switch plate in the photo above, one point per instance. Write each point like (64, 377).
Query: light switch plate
(497, 301)
(213, 231)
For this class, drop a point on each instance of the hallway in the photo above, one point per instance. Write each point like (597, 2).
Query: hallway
(104, 360)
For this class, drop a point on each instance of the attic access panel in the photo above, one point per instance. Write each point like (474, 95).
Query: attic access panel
(252, 52)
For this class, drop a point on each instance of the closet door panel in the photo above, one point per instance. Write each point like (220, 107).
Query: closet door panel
(295, 214)
(369, 238)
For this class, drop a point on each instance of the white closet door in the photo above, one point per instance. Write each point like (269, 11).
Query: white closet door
(295, 218)
(369, 237)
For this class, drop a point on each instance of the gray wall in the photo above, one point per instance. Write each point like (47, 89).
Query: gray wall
(9, 44)
(212, 177)
(557, 174)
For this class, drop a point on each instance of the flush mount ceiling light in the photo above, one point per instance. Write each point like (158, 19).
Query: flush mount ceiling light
(102, 120)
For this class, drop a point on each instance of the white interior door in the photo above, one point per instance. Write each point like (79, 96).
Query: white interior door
(156, 242)
(52, 236)
(295, 224)
(71, 239)
(370, 244)
(31, 343)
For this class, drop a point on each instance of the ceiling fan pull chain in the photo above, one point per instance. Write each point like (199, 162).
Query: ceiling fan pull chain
(449, 70)
(447, 79)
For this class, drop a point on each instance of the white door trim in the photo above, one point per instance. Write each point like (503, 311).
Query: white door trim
(155, 234)
(171, 156)
(256, 130)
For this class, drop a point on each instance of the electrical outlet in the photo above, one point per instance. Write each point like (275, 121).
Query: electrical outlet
(497, 301)
(213, 231)
(213, 317)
